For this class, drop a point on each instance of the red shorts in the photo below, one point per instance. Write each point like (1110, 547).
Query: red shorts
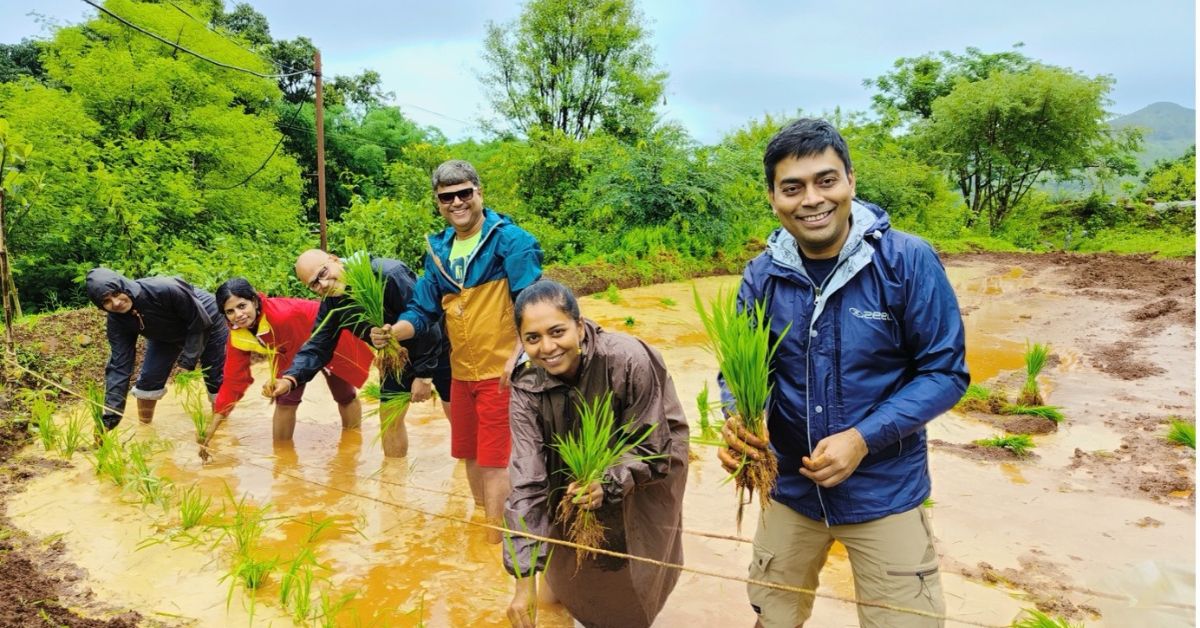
(479, 422)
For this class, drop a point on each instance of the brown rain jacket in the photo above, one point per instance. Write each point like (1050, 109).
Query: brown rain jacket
(643, 501)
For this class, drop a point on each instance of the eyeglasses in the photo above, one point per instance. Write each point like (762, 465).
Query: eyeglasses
(315, 284)
(463, 195)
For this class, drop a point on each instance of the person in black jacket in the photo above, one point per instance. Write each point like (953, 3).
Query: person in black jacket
(181, 325)
(428, 354)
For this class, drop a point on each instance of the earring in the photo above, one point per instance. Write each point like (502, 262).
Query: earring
(579, 349)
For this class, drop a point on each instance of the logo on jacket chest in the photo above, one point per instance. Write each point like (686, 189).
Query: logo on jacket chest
(870, 315)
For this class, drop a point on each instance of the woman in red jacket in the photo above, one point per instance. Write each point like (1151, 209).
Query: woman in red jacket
(279, 326)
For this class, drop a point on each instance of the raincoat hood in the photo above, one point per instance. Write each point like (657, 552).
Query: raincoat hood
(102, 282)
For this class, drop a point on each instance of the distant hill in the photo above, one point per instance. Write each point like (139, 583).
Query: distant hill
(1169, 130)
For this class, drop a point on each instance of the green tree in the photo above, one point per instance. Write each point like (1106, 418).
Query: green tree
(578, 66)
(999, 136)
(1172, 180)
(23, 59)
(915, 82)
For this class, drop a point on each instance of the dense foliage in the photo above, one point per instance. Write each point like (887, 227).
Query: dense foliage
(138, 156)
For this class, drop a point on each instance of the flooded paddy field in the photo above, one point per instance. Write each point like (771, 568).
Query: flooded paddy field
(1097, 524)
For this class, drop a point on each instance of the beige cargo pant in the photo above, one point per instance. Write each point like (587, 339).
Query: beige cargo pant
(892, 559)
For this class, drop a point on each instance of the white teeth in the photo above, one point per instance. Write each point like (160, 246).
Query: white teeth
(816, 217)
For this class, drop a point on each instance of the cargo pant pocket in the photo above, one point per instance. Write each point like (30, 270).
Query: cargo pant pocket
(914, 586)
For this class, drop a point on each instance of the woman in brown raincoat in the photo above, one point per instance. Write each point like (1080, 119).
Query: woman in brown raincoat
(639, 503)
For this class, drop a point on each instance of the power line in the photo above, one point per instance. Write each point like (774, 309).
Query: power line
(263, 165)
(210, 28)
(190, 52)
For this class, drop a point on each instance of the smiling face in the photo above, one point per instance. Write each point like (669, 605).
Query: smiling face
(321, 272)
(241, 313)
(552, 339)
(465, 215)
(812, 197)
(117, 303)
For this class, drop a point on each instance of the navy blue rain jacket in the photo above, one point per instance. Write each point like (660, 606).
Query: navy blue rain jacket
(879, 347)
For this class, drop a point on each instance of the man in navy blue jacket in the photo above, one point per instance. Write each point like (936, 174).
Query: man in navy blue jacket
(875, 350)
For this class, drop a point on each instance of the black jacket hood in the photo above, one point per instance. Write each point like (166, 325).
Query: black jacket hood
(102, 281)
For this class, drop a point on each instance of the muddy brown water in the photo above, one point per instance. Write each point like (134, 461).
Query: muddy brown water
(404, 539)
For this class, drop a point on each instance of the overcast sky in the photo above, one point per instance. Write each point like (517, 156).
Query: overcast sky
(729, 62)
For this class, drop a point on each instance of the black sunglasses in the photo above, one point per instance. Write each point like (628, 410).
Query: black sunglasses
(463, 195)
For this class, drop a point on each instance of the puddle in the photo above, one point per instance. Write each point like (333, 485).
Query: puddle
(404, 541)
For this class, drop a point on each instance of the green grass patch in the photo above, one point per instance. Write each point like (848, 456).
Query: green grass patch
(1161, 242)
(1033, 618)
(667, 301)
(1019, 444)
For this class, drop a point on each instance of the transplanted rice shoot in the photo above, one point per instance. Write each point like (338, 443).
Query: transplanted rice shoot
(588, 453)
(1019, 444)
(194, 401)
(193, 506)
(94, 400)
(72, 435)
(741, 342)
(1035, 360)
(364, 290)
(1046, 412)
(1182, 432)
(1033, 618)
(42, 410)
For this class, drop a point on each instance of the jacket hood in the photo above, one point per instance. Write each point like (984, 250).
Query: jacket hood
(866, 219)
(102, 281)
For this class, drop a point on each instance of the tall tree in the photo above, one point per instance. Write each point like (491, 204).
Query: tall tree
(999, 136)
(578, 66)
(915, 82)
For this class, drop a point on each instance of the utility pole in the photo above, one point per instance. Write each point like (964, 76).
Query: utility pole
(320, 120)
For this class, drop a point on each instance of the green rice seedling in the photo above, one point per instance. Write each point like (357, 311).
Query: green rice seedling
(364, 291)
(1035, 360)
(111, 458)
(535, 555)
(1046, 412)
(42, 422)
(1033, 618)
(587, 454)
(612, 294)
(72, 437)
(194, 401)
(251, 574)
(331, 607)
(630, 321)
(1182, 432)
(94, 400)
(710, 429)
(982, 399)
(667, 301)
(152, 488)
(1019, 444)
(193, 507)
(371, 391)
(247, 524)
(928, 503)
(741, 342)
(295, 585)
(391, 408)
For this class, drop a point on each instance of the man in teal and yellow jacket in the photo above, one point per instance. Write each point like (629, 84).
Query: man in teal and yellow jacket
(474, 270)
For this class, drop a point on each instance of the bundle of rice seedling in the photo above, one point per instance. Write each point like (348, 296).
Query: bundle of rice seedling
(1019, 444)
(1035, 360)
(1182, 433)
(1046, 412)
(588, 453)
(364, 290)
(710, 430)
(741, 342)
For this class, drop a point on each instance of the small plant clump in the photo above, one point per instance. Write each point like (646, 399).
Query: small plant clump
(94, 399)
(364, 291)
(1182, 432)
(41, 411)
(611, 294)
(1051, 413)
(588, 453)
(982, 399)
(193, 507)
(73, 436)
(667, 301)
(741, 341)
(630, 321)
(1036, 355)
(710, 429)
(1019, 444)
(194, 401)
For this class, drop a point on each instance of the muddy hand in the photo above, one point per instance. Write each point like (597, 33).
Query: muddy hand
(589, 499)
(741, 441)
(380, 336)
(282, 386)
(420, 389)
